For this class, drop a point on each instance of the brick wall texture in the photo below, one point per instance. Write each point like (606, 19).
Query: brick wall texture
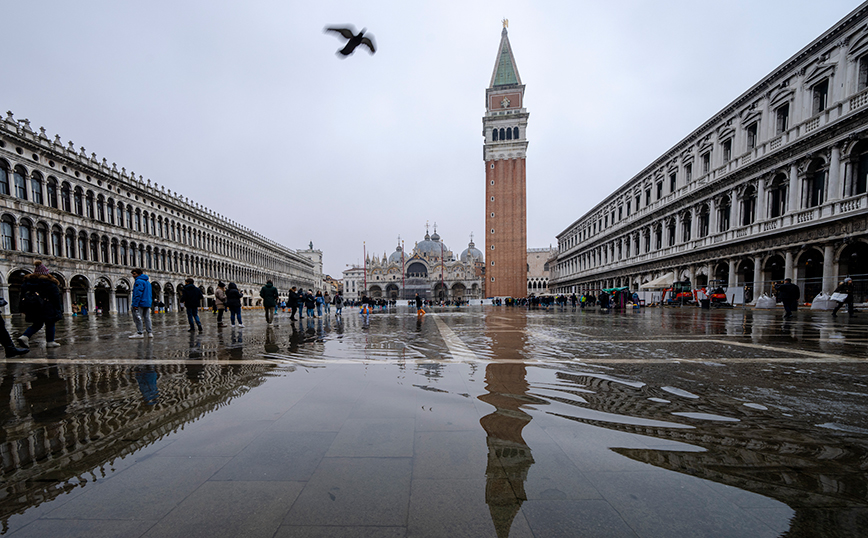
(506, 228)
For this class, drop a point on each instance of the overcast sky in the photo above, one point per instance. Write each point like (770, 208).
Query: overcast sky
(244, 107)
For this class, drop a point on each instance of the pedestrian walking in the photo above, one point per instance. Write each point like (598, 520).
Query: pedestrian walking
(269, 300)
(192, 298)
(41, 304)
(419, 310)
(843, 294)
(220, 303)
(319, 302)
(6, 340)
(789, 294)
(233, 303)
(293, 303)
(310, 303)
(339, 304)
(141, 304)
(301, 296)
(327, 303)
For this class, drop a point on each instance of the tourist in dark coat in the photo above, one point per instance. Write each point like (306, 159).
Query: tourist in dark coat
(310, 303)
(789, 294)
(269, 300)
(192, 297)
(292, 301)
(233, 303)
(41, 304)
(845, 288)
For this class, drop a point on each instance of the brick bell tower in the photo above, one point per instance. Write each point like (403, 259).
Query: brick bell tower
(504, 128)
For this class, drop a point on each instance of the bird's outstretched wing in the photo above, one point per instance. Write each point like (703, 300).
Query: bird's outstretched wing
(347, 32)
(369, 41)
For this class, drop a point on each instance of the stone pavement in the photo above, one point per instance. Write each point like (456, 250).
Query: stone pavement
(484, 421)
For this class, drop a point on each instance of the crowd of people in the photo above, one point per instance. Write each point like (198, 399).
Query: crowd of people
(41, 303)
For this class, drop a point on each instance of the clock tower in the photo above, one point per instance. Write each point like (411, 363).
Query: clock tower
(504, 128)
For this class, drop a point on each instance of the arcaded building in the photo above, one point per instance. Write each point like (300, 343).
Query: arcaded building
(504, 152)
(92, 223)
(772, 186)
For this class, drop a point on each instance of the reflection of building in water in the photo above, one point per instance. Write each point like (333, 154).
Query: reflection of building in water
(509, 457)
(62, 426)
(820, 475)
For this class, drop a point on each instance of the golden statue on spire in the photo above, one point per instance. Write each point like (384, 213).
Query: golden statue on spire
(505, 23)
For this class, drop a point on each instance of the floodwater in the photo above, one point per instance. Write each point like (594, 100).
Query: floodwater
(482, 421)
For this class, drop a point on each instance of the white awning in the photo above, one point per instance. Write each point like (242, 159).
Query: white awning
(664, 281)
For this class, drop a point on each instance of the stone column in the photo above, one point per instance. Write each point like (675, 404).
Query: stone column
(710, 270)
(794, 190)
(113, 301)
(4, 292)
(733, 210)
(712, 217)
(67, 301)
(757, 277)
(834, 174)
(91, 300)
(733, 266)
(761, 210)
(692, 270)
(829, 275)
(788, 265)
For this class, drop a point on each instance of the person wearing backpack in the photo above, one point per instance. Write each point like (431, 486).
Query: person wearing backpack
(41, 304)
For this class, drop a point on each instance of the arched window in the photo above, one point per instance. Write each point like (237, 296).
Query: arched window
(120, 214)
(703, 221)
(508, 133)
(502, 133)
(36, 187)
(104, 250)
(51, 191)
(114, 251)
(494, 134)
(815, 184)
(18, 175)
(153, 225)
(100, 208)
(65, 197)
(133, 255)
(7, 236)
(25, 236)
(723, 214)
(56, 241)
(515, 133)
(130, 217)
(123, 253)
(82, 245)
(778, 196)
(138, 220)
(78, 201)
(748, 206)
(42, 239)
(686, 222)
(145, 217)
(4, 178)
(89, 205)
(69, 239)
(94, 247)
(858, 183)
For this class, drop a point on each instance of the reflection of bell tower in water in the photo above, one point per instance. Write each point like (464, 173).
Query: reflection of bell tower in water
(504, 128)
(509, 457)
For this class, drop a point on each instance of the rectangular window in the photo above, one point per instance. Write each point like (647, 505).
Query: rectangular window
(820, 94)
(638, 201)
(628, 208)
(648, 196)
(706, 163)
(606, 221)
(782, 118)
(36, 187)
(659, 190)
(673, 182)
(688, 172)
(727, 150)
(751, 135)
(620, 213)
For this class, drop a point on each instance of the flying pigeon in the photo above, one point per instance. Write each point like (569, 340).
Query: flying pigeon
(354, 40)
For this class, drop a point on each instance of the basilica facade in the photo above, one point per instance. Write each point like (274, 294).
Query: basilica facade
(430, 270)
(771, 187)
(91, 223)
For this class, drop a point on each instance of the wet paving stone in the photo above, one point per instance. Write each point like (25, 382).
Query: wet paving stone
(478, 421)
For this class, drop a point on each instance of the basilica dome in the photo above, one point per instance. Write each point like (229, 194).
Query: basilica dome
(395, 257)
(431, 246)
(471, 252)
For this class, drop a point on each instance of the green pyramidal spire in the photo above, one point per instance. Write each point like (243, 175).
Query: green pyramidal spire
(505, 71)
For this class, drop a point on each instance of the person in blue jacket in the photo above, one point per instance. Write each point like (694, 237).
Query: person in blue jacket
(141, 304)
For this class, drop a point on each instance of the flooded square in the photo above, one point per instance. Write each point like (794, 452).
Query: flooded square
(472, 421)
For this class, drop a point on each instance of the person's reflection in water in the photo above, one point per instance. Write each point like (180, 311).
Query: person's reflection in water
(509, 457)
(236, 346)
(294, 339)
(419, 323)
(270, 341)
(146, 377)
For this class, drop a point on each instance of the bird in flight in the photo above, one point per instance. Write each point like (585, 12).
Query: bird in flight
(354, 40)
